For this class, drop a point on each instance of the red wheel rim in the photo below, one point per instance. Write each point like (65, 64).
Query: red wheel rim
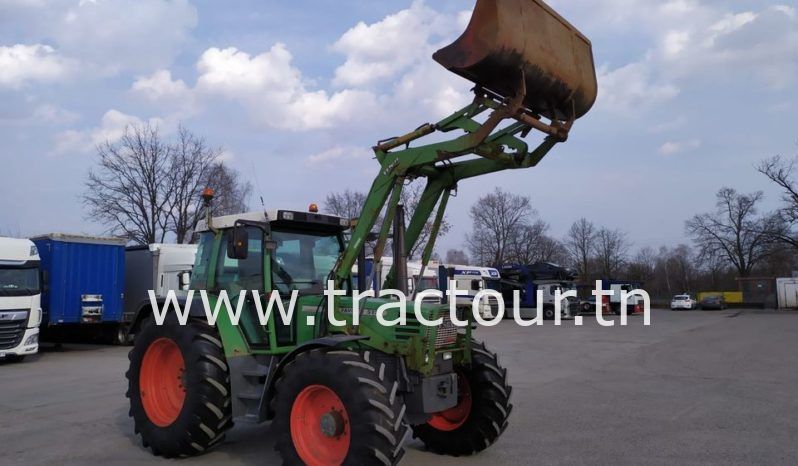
(320, 426)
(161, 382)
(456, 416)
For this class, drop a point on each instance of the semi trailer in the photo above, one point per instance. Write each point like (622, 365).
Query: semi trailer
(20, 299)
(158, 267)
(83, 280)
(339, 392)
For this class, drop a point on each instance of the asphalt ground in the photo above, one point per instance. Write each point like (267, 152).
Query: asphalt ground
(693, 388)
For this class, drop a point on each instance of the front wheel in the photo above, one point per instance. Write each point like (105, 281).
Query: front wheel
(179, 387)
(333, 407)
(481, 413)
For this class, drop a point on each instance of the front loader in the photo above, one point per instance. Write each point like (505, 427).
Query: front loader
(337, 392)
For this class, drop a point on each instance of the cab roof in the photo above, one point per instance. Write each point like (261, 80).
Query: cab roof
(17, 250)
(288, 217)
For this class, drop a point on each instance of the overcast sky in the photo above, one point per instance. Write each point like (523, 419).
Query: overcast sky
(691, 95)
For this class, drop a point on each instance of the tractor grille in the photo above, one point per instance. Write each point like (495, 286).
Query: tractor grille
(447, 332)
(11, 332)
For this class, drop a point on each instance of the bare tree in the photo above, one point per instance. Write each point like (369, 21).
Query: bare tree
(529, 244)
(497, 218)
(551, 250)
(191, 163)
(410, 197)
(457, 256)
(231, 193)
(145, 187)
(346, 204)
(642, 267)
(611, 247)
(579, 242)
(734, 231)
(781, 171)
(681, 268)
(131, 188)
(349, 204)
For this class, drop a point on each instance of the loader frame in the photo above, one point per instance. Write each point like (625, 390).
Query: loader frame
(497, 149)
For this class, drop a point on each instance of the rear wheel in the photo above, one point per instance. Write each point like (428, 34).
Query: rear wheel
(179, 387)
(548, 313)
(333, 407)
(481, 414)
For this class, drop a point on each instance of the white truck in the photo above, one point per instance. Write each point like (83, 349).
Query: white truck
(469, 278)
(472, 279)
(157, 267)
(20, 299)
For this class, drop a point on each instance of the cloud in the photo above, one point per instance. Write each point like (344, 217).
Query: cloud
(760, 44)
(22, 64)
(691, 42)
(677, 147)
(276, 94)
(631, 88)
(337, 155)
(274, 90)
(160, 85)
(47, 113)
(111, 128)
(110, 36)
(378, 51)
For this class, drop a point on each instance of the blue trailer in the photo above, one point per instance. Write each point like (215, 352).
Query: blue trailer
(83, 281)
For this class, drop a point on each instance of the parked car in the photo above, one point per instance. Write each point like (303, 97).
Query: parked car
(683, 301)
(717, 302)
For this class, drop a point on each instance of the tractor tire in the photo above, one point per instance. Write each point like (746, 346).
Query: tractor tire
(482, 411)
(179, 387)
(333, 407)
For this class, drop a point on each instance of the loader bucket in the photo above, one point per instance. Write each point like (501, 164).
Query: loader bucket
(508, 39)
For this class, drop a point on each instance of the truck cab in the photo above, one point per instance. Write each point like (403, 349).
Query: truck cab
(472, 279)
(20, 299)
(633, 305)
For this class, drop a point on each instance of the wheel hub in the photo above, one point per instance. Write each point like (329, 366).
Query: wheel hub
(319, 429)
(332, 424)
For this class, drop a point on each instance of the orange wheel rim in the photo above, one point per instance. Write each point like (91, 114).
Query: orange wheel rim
(456, 416)
(320, 427)
(161, 382)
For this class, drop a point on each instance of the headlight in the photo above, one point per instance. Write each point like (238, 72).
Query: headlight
(32, 340)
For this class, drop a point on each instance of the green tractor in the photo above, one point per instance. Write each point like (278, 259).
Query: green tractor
(339, 391)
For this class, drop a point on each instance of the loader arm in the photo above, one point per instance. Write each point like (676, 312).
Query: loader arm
(532, 70)
(495, 150)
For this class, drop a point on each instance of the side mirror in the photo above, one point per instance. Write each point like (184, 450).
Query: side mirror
(238, 246)
(184, 279)
(476, 285)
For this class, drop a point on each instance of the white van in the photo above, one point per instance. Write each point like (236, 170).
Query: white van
(20, 299)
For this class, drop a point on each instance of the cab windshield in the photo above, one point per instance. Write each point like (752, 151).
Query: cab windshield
(19, 281)
(303, 260)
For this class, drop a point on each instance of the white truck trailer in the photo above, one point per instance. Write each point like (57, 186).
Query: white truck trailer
(156, 267)
(20, 299)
